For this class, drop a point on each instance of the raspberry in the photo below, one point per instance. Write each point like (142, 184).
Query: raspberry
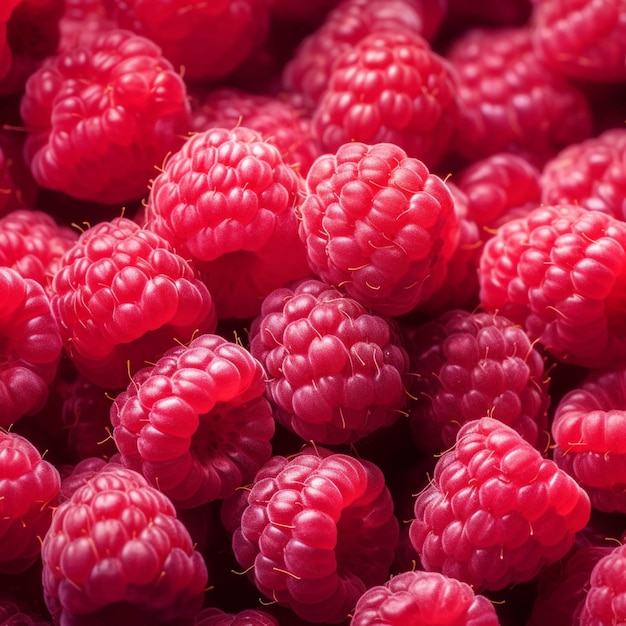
(122, 297)
(207, 40)
(336, 372)
(308, 72)
(468, 365)
(587, 428)
(278, 120)
(590, 174)
(604, 602)
(560, 272)
(227, 201)
(509, 102)
(115, 553)
(32, 243)
(496, 511)
(29, 487)
(31, 346)
(100, 117)
(249, 617)
(582, 39)
(421, 599)
(378, 225)
(316, 530)
(196, 424)
(389, 87)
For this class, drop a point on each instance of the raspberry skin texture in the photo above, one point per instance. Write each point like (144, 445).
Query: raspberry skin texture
(31, 346)
(590, 174)
(196, 424)
(390, 87)
(587, 431)
(116, 553)
(227, 201)
(378, 225)
(122, 297)
(581, 39)
(509, 101)
(421, 599)
(560, 272)
(308, 72)
(468, 365)
(101, 117)
(316, 530)
(211, 616)
(29, 487)
(336, 372)
(496, 511)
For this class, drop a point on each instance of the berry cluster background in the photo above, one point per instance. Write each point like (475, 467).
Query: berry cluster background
(313, 312)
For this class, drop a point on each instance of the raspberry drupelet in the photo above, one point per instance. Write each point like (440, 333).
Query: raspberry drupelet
(196, 424)
(122, 297)
(314, 531)
(101, 116)
(496, 511)
(378, 225)
(336, 372)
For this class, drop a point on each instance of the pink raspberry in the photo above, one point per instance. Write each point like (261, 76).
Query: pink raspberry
(227, 201)
(31, 346)
(115, 553)
(277, 119)
(509, 101)
(582, 39)
(308, 72)
(468, 365)
(587, 427)
(378, 225)
(249, 617)
(315, 530)
(122, 297)
(196, 424)
(590, 173)
(604, 602)
(100, 117)
(496, 511)
(389, 87)
(421, 599)
(81, 21)
(336, 372)
(206, 40)
(560, 272)
(29, 487)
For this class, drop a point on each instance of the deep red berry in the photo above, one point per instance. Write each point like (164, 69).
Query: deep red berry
(250, 617)
(496, 511)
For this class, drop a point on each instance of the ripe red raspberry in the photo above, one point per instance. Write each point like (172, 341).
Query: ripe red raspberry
(508, 100)
(496, 511)
(378, 225)
(308, 72)
(115, 553)
(604, 602)
(122, 297)
(81, 21)
(196, 424)
(421, 599)
(227, 201)
(31, 346)
(277, 119)
(582, 39)
(336, 372)
(587, 431)
(29, 487)
(32, 243)
(251, 617)
(468, 365)
(560, 272)
(100, 117)
(590, 173)
(206, 40)
(389, 87)
(315, 531)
